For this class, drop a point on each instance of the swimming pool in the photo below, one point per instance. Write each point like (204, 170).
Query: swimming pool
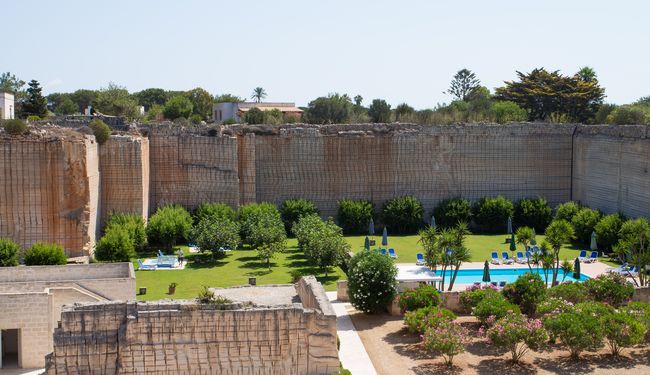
(509, 275)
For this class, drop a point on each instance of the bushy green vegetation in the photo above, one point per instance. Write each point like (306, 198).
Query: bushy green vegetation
(354, 215)
(450, 212)
(101, 131)
(566, 211)
(9, 251)
(584, 223)
(403, 214)
(115, 246)
(169, 225)
(292, 210)
(422, 296)
(371, 281)
(44, 254)
(219, 211)
(492, 307)
(610, 288)
(607, 231)
(419, 320)
(534, 213)
(14, 126)
(526, 292)
(517, 334)
(321, 241)
(491, 213)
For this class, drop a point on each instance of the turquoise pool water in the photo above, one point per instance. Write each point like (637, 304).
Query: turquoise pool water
(502, 274)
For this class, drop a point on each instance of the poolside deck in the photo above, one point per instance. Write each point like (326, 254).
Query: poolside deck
(589, 269)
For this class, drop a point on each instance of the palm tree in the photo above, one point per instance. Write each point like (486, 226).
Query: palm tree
(557, 234)
(566, 268)
(459, 255)
(258, 94)
(524, 236)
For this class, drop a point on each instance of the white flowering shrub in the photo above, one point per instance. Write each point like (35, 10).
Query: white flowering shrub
(371, 281)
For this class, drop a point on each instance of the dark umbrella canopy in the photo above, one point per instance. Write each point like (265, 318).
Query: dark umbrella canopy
(576, 269)
(486, 272)
(384, 237)
(371, 227)
(513, 245)
(366, 243)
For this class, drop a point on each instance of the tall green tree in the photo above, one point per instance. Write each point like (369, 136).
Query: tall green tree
(332, 109)
(379, 111)
(150, 97)
(115, 100)
(35, 103)
(358, 99)
(83, 98)
(543, 94)
(10, 83)
(403, 111)
(463, 84)
(178, 106)
(201, 102)
(558, 233)
(227, 98)
(634, 245)
(258, 94)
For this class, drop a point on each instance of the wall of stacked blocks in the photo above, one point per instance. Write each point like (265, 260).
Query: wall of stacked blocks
(59, 185)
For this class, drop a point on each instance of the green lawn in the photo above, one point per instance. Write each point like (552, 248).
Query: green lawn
(239, 265)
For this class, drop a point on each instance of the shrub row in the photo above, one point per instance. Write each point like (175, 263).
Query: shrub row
(39, 254)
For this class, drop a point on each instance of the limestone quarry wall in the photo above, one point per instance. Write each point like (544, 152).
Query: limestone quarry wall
(429, 162)
(124, 175)
(189, 338)
(49, 190)
(611, 169)
(190, 169)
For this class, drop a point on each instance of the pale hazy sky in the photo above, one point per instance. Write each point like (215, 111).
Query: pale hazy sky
(402, 51)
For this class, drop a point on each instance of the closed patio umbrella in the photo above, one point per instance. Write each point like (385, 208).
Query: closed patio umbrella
(384, 237)
(366, 243)
(533, 242)
(371, 227)
(576, 269)
(593, 246)
(509, 225)
(513, 245)
(486, 272)
(433, 221)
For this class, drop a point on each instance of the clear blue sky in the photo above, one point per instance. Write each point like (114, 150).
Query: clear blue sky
(402, 51)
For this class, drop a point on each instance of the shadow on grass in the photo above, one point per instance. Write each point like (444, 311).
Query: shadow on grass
(206, 260)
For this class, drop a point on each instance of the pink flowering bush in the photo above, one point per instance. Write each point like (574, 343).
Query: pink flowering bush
(554, 306)
(622, 330)
(448, 338)
(421, 319)
(493, 308)
(517, 334)
(422, 296)
(528, 291)
(641, 312)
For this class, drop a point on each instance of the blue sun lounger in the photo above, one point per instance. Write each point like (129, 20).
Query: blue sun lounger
(495, 258)
(419, 259)
(383, 251)
(391, 253)
(592, 258)
(583, 256)
(520, 258)
(506, 258)
(142, 266)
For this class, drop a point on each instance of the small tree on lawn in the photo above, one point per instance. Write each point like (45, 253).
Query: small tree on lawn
(168, 225)
(215, 234)
(268, 250)
(371, 281)
(116, 245)
(634, 244)
(558, 233)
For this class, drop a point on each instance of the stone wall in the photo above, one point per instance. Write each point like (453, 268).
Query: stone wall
(190, 169)
(124, 172)
(171, 337)
(612, 169)
(31, 299)
(48, 190)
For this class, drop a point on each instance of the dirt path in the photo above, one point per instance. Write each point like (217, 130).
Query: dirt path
(393, 350)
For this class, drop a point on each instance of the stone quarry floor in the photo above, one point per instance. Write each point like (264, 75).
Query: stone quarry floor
(266, 295)
(393, 350)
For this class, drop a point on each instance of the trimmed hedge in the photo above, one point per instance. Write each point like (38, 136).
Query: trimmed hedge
(534, 213)
(354, 215)
(43, 254)
(403, 214)
(492, 213)
(452, 211)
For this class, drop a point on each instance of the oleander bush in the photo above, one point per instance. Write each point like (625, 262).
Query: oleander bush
(422, 296)
(471, 297)
(641, 312)
(494, 307)
(371, 281)
(580, 329)
(611, 288)
(452, 211)
(417, 321)
(448, 339)
(44, 254)
(526, 292)
(622, 330)
(570, 292)
(518, 334)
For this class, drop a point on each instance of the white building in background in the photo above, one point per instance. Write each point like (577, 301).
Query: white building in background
(235, 111)
(6, 106)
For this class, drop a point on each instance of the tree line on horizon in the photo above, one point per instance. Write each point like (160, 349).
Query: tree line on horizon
(539, 95)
